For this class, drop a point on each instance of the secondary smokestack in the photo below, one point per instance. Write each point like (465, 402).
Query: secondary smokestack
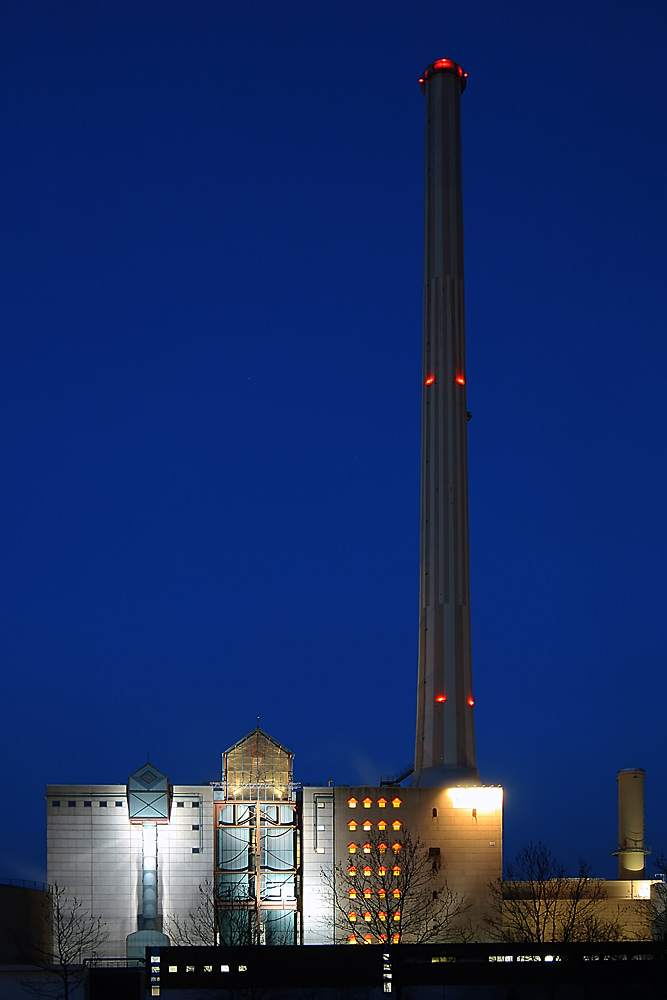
(631, 850)
(445, 743)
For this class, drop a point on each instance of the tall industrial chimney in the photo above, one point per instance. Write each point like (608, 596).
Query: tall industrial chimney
(445, 743)
(631, 848)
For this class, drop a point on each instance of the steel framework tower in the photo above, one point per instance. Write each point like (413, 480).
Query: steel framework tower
(445, 743)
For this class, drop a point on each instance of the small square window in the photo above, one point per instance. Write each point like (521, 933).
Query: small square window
(195, 826)
(224, 968)
(320, 828)
(103, 805)
(195, 850)
(55, 803)
(173, 968)
(320, 805)
(119, 805)
(181, 805)
(88, 804)
(195, 805)
(71, 804)
(319, 850)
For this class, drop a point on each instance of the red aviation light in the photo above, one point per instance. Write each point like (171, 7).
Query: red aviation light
(429, 380)
(471, 701)
(461, 379)
(447, 64)
(441, 697)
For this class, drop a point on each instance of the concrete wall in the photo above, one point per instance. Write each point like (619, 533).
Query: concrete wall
(317, 856)
(96, 854)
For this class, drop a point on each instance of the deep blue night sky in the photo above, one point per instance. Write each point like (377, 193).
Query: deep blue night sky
(210, 395)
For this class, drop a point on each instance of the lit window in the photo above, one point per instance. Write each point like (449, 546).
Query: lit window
(367, 803)
(396, 939)
(352, 825)
(173, 968)
(368, 871)
(352, 939)
(382, 803)
(243, 968)
(382, 871)
(352, 848)
(382, 848)
(352, 803)
(367, 825)
(382, 825)
(396, 802)
(396, 893)
(396, 825)
(319, 850)
(397, 915)
(352, 917)
(189, 968)
(368, 939)
(224, 968)
(367, 848)
(352, 893)
(382, 893)
(383, 938)
(396, 847)
(368, 893)
(352, 871)
(382, 915)
(396, 870)
(367, 916)
(208, 968)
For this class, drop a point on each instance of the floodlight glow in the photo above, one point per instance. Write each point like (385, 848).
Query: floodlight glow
(481, 799)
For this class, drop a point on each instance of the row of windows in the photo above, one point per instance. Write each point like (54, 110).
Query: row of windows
(368, 871)
(367, 825)
(367, 848)
(367, 803)
(87, 802)
(368, 916)
(205, 968)
(368, 893)
(72, 803)
(368, 939)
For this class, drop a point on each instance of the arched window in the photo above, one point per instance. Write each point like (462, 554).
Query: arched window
(367, 825)
(395, 938)
(396, 870)
(396, 893)
(382, 893)
(368, 916)
(397, 915)
(382, 871)
(382, 803)
(352, 939)
(382, 848)
(368, 871)
(352, 803)
(352, 893)
(368, 939)
(368, 893)
(352, 917)
(396, 847)
(352, 871)
(382, 825)
(382, 915)
(396, 825)
(367, 848)
(352, 848)
(352, 825)
(367, 803)
(396, 802)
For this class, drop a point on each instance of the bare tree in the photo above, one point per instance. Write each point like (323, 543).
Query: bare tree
(394, 891)
(220, 918)
(538, 903)
(77, 936)
(198, 927)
